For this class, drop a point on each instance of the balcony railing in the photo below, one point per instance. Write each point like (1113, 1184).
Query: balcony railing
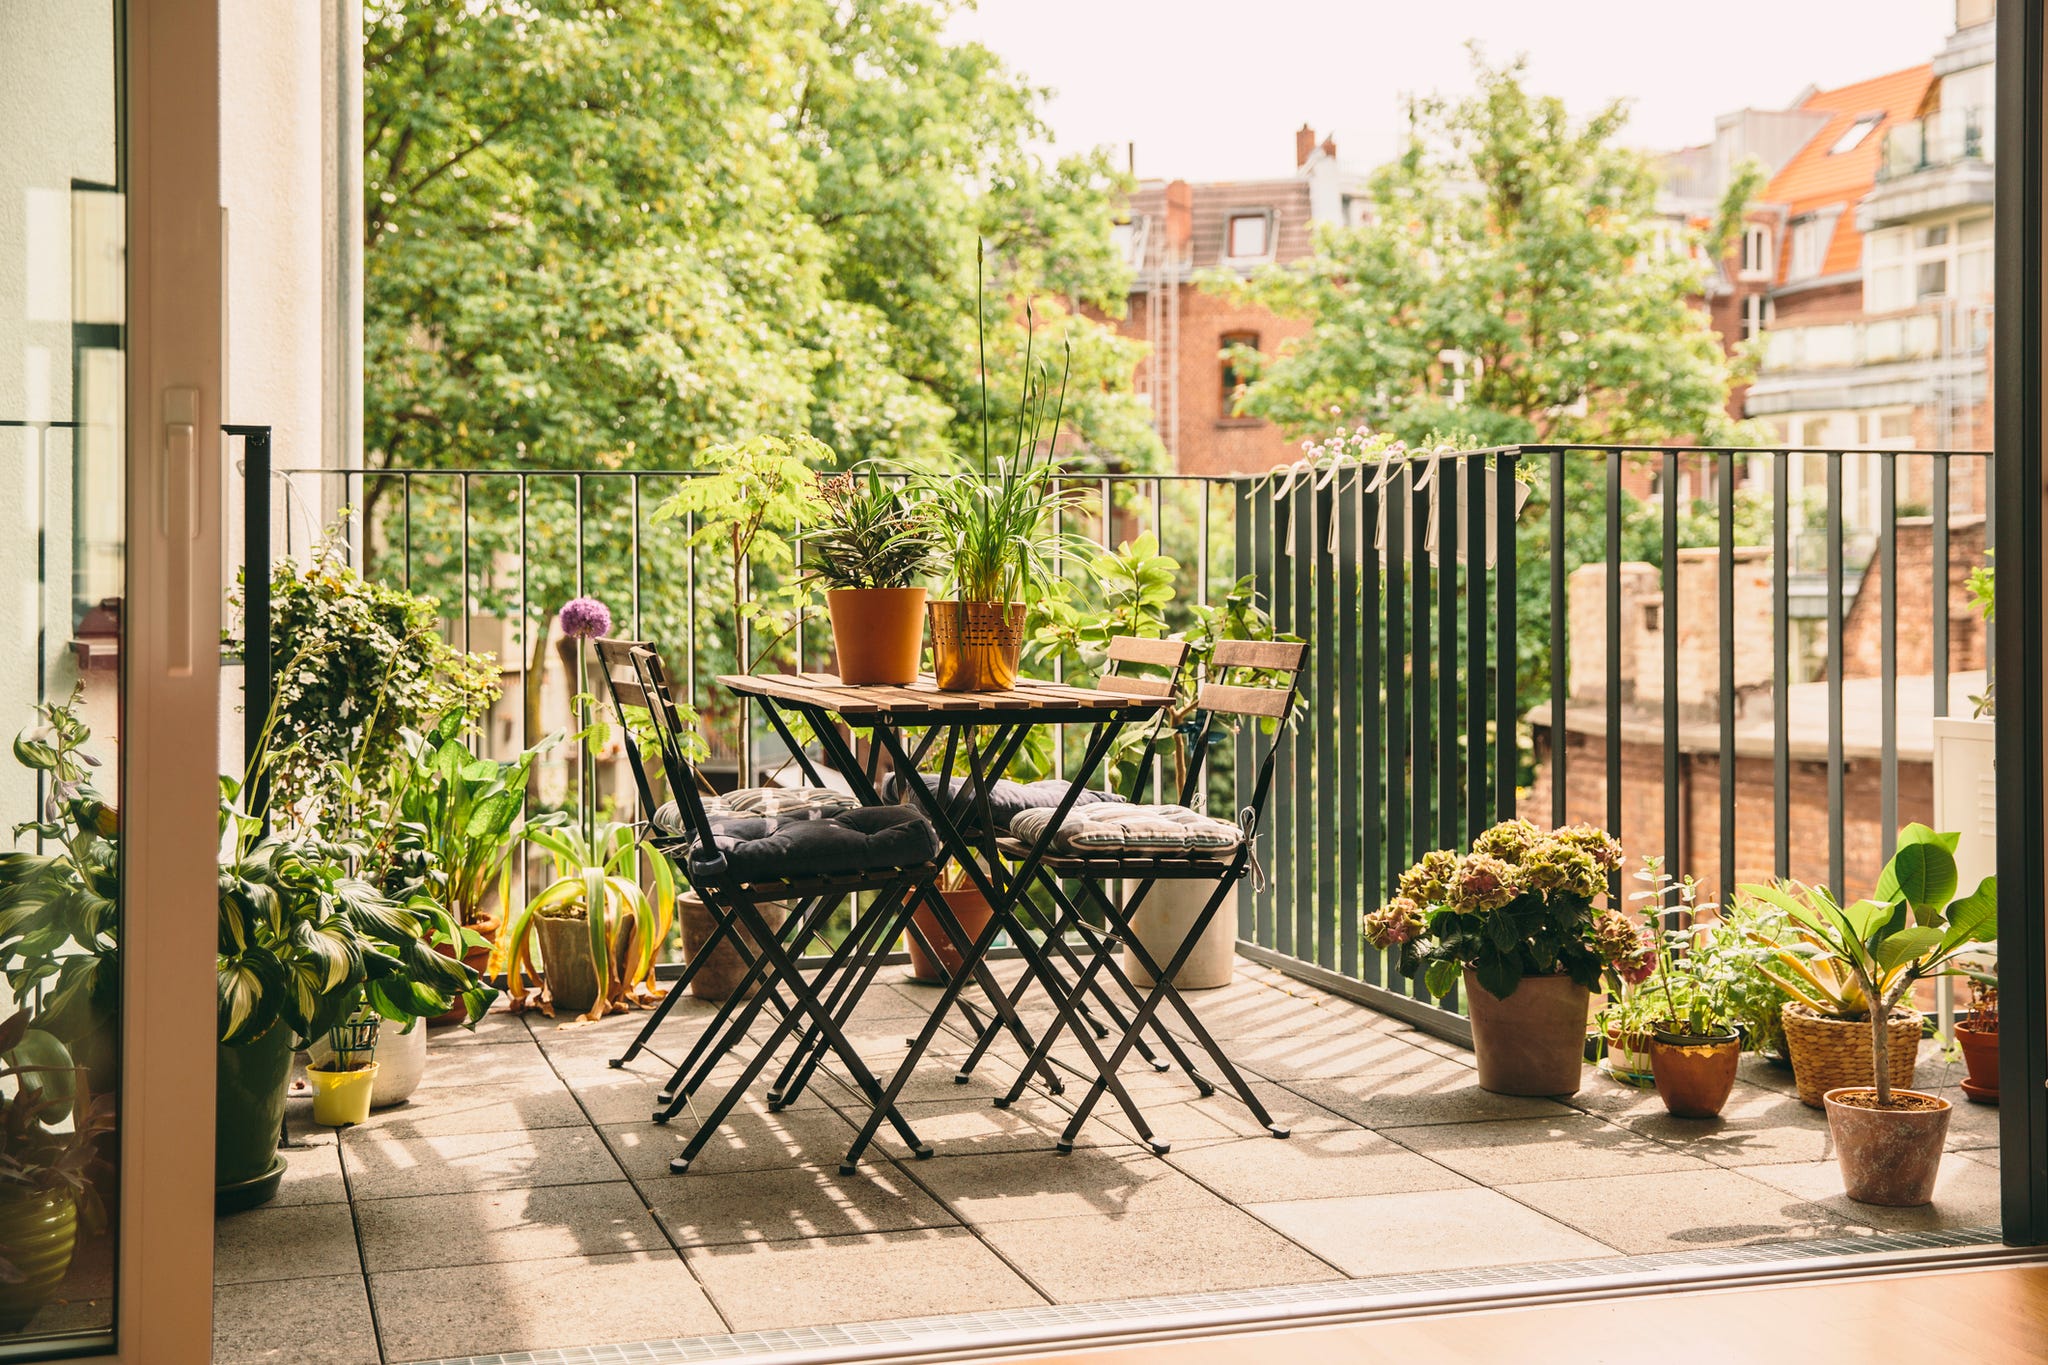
(1609, 655)
(1943, 138)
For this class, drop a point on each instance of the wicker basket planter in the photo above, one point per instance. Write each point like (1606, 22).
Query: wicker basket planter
(1830, 1053)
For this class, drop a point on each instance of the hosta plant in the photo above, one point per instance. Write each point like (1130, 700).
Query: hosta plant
(598, 882)
(1521, 903)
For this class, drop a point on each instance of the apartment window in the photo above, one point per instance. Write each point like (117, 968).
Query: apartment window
(1249, 236)
(1756, 251)
(1809, 247)
(1852, 137)
(1233, 381)
(1909, 266)
(1756, 316)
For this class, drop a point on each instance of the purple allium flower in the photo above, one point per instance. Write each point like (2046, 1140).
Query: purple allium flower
(586, 618)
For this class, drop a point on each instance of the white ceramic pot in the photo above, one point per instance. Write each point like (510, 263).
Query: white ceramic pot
(1164, 917)
(401, 1061)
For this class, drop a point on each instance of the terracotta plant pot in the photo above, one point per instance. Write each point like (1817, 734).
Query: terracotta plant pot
(1628, 1057)
(477, 959)
(1694, 1072)
(1533, 1042)
(38, 1233)
(1980, 1055)
(976, 645)
(971, 908)
(1888, 1156)
(566, 964)
(1830, 1053)
(878, 633)
(721, 976)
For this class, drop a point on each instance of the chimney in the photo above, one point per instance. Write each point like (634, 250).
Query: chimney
(1330, 148)
(1180, 221)
(1304, 144)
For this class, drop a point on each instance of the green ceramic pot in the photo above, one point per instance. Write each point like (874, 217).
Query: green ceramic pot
(38, 1235)
(248, 1115)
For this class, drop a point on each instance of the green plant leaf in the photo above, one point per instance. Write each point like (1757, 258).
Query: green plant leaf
(1906, 946)
(1922, 873)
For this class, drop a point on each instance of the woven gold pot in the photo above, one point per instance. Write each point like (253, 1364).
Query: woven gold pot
(1831, 1053)
(975, 645)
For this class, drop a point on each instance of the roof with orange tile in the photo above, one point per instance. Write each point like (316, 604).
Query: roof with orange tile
(1817, 177)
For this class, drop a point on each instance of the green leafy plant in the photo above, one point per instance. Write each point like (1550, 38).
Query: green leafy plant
(597, 879)
(870, 535)
(1858, 961)
(1519, 904)
(1690, 990)
(1745, 938)
(50, 1124)
(1982, 587)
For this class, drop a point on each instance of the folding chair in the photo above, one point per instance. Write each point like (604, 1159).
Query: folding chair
(735, 864)
(1239, 687)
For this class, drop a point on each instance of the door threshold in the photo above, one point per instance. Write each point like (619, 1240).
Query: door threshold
(1015, 1331)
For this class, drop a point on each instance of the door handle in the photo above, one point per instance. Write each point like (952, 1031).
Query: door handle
(178, 522)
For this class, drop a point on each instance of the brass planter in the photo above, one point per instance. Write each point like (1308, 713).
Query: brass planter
(975, 645)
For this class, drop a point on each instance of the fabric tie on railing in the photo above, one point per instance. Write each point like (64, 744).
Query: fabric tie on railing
(1248, 822)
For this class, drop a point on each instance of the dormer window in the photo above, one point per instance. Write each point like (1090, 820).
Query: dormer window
(1852, 136)
(1756, 252)
(1248, 236)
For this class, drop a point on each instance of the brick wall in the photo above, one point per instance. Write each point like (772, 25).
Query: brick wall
(1211, 441)
(1863, 629)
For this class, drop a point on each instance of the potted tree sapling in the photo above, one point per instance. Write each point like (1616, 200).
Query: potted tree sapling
(1888, 1139)
(1694, 1045)
(868, 551)
(1514, 919)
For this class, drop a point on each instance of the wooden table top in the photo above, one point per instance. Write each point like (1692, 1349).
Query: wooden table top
(923, 697)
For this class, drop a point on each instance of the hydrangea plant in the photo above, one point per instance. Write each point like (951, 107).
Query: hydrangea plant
(1520, 903)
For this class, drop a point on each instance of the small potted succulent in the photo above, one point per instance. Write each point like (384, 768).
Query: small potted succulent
(50, 1126)
(1694, 1046)
(1888, 1138)
(1977, 1029)
(868, 551)
(1514, 919)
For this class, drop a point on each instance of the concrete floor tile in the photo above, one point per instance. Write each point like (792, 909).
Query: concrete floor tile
(857, 1279)
(382, 1166)
(986, 1190)
(497, 1026)
(493, 1108)
(1187, 1119)
(1088, 1259)
(1573, 1147)
(1985, 1156)
(1680, 1210)
(512, 1065)
(1969, 1124)
(1439, 1094)
(1363, 1053)
(790, 1203)
(971, 1126)
(1309, 1165)
(539, 1305)
(285, 1243)
(318, 1322)
(546, 1222)
(1966, 1195)
(312, 1169)
(750, 1139)
(1757, 1128)
(1400, 1234)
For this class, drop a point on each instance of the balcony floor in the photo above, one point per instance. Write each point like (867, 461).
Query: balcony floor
(522, 1201)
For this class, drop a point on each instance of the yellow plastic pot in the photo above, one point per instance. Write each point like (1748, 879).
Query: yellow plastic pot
(341, 1097)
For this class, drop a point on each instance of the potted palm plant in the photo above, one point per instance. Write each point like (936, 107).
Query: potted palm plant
(597, 929)
(1514, 919)
(868, 551)
(1888, 1138)
(1694, 1044)
(52, 1124)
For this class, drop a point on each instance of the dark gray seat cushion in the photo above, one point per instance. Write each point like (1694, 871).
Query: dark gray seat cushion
(787, 803)
(1006, 800)
(768, 848)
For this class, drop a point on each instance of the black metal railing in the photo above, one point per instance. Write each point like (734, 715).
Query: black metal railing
(1441, 693)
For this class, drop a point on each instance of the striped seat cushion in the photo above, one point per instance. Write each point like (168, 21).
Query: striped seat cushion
(1113, 829)
(771, 803)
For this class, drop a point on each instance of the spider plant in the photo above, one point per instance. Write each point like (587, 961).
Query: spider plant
(597, 879)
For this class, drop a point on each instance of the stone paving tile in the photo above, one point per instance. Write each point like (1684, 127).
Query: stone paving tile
(1574, 1147)
(1439, 1094)
(857, 1279)
(324, 1321)
(512, 1065)
(791, 1203)
(1286, 1059)
(382, 1166)
(1985, 1156)
(750, 1139)
(1160, 1251)
(495, 1108)
(1760, 1127)
(1399, 1234)
(1965, 1195)
(1969, 1124)
(312, 1170)
(286, 1243)
(1310, 1165)
(977, 1128)
(542, 1223)
(1222, 1116)
(1036, 1185)
(1683, 1210)
(539, 1305)
(497, 1026)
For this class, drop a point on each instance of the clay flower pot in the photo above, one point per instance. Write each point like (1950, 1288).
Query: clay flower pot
(1533, 1042)
(878, 633)
(1980, 1055)
(976, 645)
(1694, 1071)
(1888, 1156)
(1628, 1057)
(566, 963)
(972, 909)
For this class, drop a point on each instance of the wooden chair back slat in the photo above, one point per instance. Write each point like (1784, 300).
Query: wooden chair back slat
(1280, 655)
(1143, 687)
(1229, 700)
(617, 657)
(1133, 649)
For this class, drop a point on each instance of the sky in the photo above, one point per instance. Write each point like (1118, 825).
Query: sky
(1209, 90)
